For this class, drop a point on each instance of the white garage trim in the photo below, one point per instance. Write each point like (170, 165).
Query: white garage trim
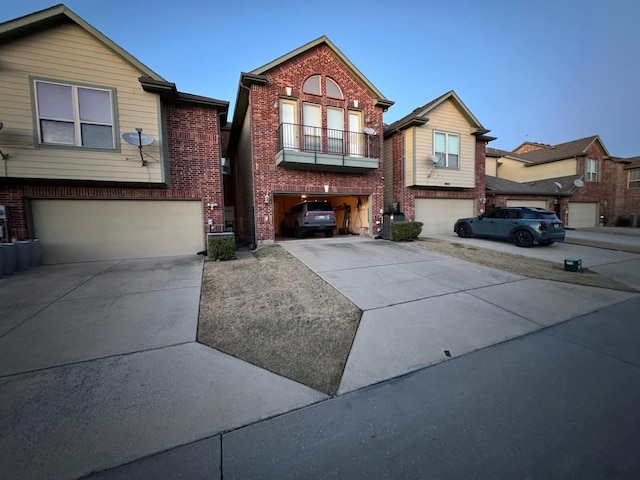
(583, 215)
(527, 203)
(91, 230)
(439, 214)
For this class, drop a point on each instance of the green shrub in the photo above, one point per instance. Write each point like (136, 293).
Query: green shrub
(405, 231)
(221, 248)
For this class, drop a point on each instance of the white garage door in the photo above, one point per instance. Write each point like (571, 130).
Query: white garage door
(439, 215)
(583, 215)
(90, 230)
(527, 203)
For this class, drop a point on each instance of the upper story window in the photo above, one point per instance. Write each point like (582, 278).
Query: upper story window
(332, 89)
(447, 149)
(634, 178)
(74, 115)
(591, 170)
(312, 85)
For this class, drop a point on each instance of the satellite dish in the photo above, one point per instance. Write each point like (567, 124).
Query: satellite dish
(434, 158)
(369, 131)
(558, 185)
(578, 182)
(138, 139)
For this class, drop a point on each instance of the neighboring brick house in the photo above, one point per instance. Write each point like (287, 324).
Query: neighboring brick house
(435, 164)
(307, 125)
(629, 188)
(68, 177)
(585, 163)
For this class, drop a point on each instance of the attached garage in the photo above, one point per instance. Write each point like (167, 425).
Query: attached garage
(439, 214)
(527, 203)
(91, 230)
(583, 215)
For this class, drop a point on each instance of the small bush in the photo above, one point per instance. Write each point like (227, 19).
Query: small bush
(405, 231)
(221, 248)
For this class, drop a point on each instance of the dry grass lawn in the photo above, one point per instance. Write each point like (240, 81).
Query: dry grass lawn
(518, 264)
(272, 311)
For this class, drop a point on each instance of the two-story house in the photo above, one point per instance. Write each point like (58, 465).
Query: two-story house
(585, 175)
(434, 164)
(102, 158)
(307, 125)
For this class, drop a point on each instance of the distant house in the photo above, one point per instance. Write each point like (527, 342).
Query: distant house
(628, 192)
(434, 164)
(68, 175)
(307, 125)
(584, 168)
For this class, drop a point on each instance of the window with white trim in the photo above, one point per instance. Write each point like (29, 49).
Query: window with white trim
(634, 178)
(591, 170)
(74, 115)
(446, 146)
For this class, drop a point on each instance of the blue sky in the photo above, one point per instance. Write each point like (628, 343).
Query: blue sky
(544, 71)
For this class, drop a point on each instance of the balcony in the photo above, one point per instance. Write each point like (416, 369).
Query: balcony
(316, 148)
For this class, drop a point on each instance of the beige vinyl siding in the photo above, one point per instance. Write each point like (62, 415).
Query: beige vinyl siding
(409, 149)
(518, 172)
(388, 171)
(491, 167)
(445, 118)
(562, 168)
(68, 54)
(245, 185)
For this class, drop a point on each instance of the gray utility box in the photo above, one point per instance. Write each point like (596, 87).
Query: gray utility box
(572, 265)
(387, 220)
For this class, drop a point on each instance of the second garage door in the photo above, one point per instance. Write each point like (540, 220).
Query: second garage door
(583, 215)
(90, 230)
(527, 203)
(439, 215)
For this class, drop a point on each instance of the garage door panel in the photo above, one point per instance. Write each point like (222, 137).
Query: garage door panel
(527, 203)
(583, 215)
(92, 230)
(439, 214)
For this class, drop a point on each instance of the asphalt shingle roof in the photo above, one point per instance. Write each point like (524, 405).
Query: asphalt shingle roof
(539, 187)
(559, 152)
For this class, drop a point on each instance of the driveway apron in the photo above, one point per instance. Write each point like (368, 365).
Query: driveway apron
(99, 367)
(421, 308)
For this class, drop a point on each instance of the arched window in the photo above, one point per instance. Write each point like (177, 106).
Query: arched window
(312, 85)
(332, 89)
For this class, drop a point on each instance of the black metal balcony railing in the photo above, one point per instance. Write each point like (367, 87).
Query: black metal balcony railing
(292, 136)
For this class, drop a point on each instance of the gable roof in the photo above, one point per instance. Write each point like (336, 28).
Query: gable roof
(419, 116)
(632, 162)
(323, 40)
(58, 15)
(499, 153)
(258, 77)
(502, 186)
(562, 151)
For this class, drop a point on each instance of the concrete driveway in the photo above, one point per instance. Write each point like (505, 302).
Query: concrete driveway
(99, 366)
(421, 308)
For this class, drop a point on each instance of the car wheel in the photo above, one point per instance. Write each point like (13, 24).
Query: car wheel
(298, 231)
(464, 230)
(522, 238)
(328, 233)
(546, 243)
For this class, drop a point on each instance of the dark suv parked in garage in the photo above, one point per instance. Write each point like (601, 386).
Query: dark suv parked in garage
(521, 225)
(309, 217)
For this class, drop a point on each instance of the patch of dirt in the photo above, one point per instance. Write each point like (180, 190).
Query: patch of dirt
(271, 310)
(518, 264)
